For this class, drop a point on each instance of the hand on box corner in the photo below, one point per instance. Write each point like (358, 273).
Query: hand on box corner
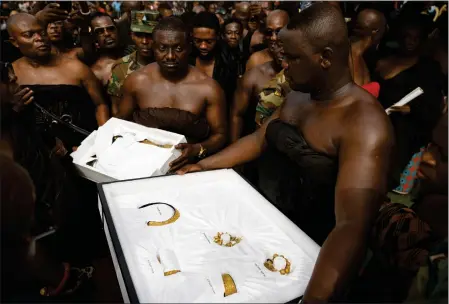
(188, 155)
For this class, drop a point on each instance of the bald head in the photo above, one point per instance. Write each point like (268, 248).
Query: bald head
(323, 26)
(242, 13)
(316, 47)
(370, 22)
(278, 16)
(242, 7)
(19, 21)
(28, 36)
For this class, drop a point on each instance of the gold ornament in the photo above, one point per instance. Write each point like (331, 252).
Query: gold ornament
(229, 285)
(173, 219)
(233, 240)
(168, 273)
(269, 264)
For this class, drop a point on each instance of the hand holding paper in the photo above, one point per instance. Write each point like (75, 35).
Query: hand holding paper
(400, 105)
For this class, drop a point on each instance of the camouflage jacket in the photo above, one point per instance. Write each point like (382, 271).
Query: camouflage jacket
(120, 70)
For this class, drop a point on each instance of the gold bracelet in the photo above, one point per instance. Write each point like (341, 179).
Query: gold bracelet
(167, 273)
(229, 285)
(233, 240)
(269, 264)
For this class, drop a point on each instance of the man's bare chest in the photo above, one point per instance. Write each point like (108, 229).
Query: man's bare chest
(185, 97)
(46, 76)
(103, 69)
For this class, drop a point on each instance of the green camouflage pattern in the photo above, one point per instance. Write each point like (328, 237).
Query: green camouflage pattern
(271, 97)
(120, 70)
(144, 21)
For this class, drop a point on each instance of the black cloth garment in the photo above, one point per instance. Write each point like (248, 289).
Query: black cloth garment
(69, 102)
(62, 197)
(225, 72)
(414, 130)
(302, 181)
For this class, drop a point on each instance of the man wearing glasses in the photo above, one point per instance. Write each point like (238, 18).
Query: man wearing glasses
(142, 26)
(107, 46)
(260, 84)
(276, 20)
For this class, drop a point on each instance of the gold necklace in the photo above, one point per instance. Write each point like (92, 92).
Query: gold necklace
(173, 219)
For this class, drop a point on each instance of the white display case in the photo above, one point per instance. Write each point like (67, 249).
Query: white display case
(131, 156)
(167, 252)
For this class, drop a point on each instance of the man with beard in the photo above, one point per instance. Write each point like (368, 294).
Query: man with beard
(232, 31)
(369, 30)
(276, 20)
(173, 96)
(107, 44)
(142, 37)
(208, 55)
(333, 142)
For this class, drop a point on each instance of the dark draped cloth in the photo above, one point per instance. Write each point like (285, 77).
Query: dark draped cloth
(414, 130)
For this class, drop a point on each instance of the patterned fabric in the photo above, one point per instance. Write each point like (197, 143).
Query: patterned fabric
(408, 176)
(400, 239)
(271, 97)
(431, 281)
(121, 69)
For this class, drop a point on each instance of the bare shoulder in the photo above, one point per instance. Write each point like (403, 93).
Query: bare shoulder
(19, 63)
(251, 76)
(206, 85)
(143, 75)
(367, 121)
(73, 65)
(258, 58)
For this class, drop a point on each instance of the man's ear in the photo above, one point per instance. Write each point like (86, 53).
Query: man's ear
(326, 58)
(13, 42)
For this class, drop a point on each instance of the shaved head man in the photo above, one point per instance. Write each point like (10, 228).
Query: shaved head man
(243, 14)
(28, 36)
(39, 69)
(332, 141)
(368, 31)
(276, 20)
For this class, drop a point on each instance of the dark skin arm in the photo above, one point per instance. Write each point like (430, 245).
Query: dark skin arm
(51, 13)
(244, 150)
(216, 118)
(86, 52)
(240, 104)
(127, 102)
(93, 88)
(361, 186)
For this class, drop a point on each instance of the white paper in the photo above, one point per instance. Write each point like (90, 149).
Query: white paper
(409, 97)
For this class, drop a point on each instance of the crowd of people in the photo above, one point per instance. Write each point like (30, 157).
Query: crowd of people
(292, 95)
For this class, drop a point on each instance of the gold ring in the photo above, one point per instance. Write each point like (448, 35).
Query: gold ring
(231, 240)
(269, 264)
(229, 285)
